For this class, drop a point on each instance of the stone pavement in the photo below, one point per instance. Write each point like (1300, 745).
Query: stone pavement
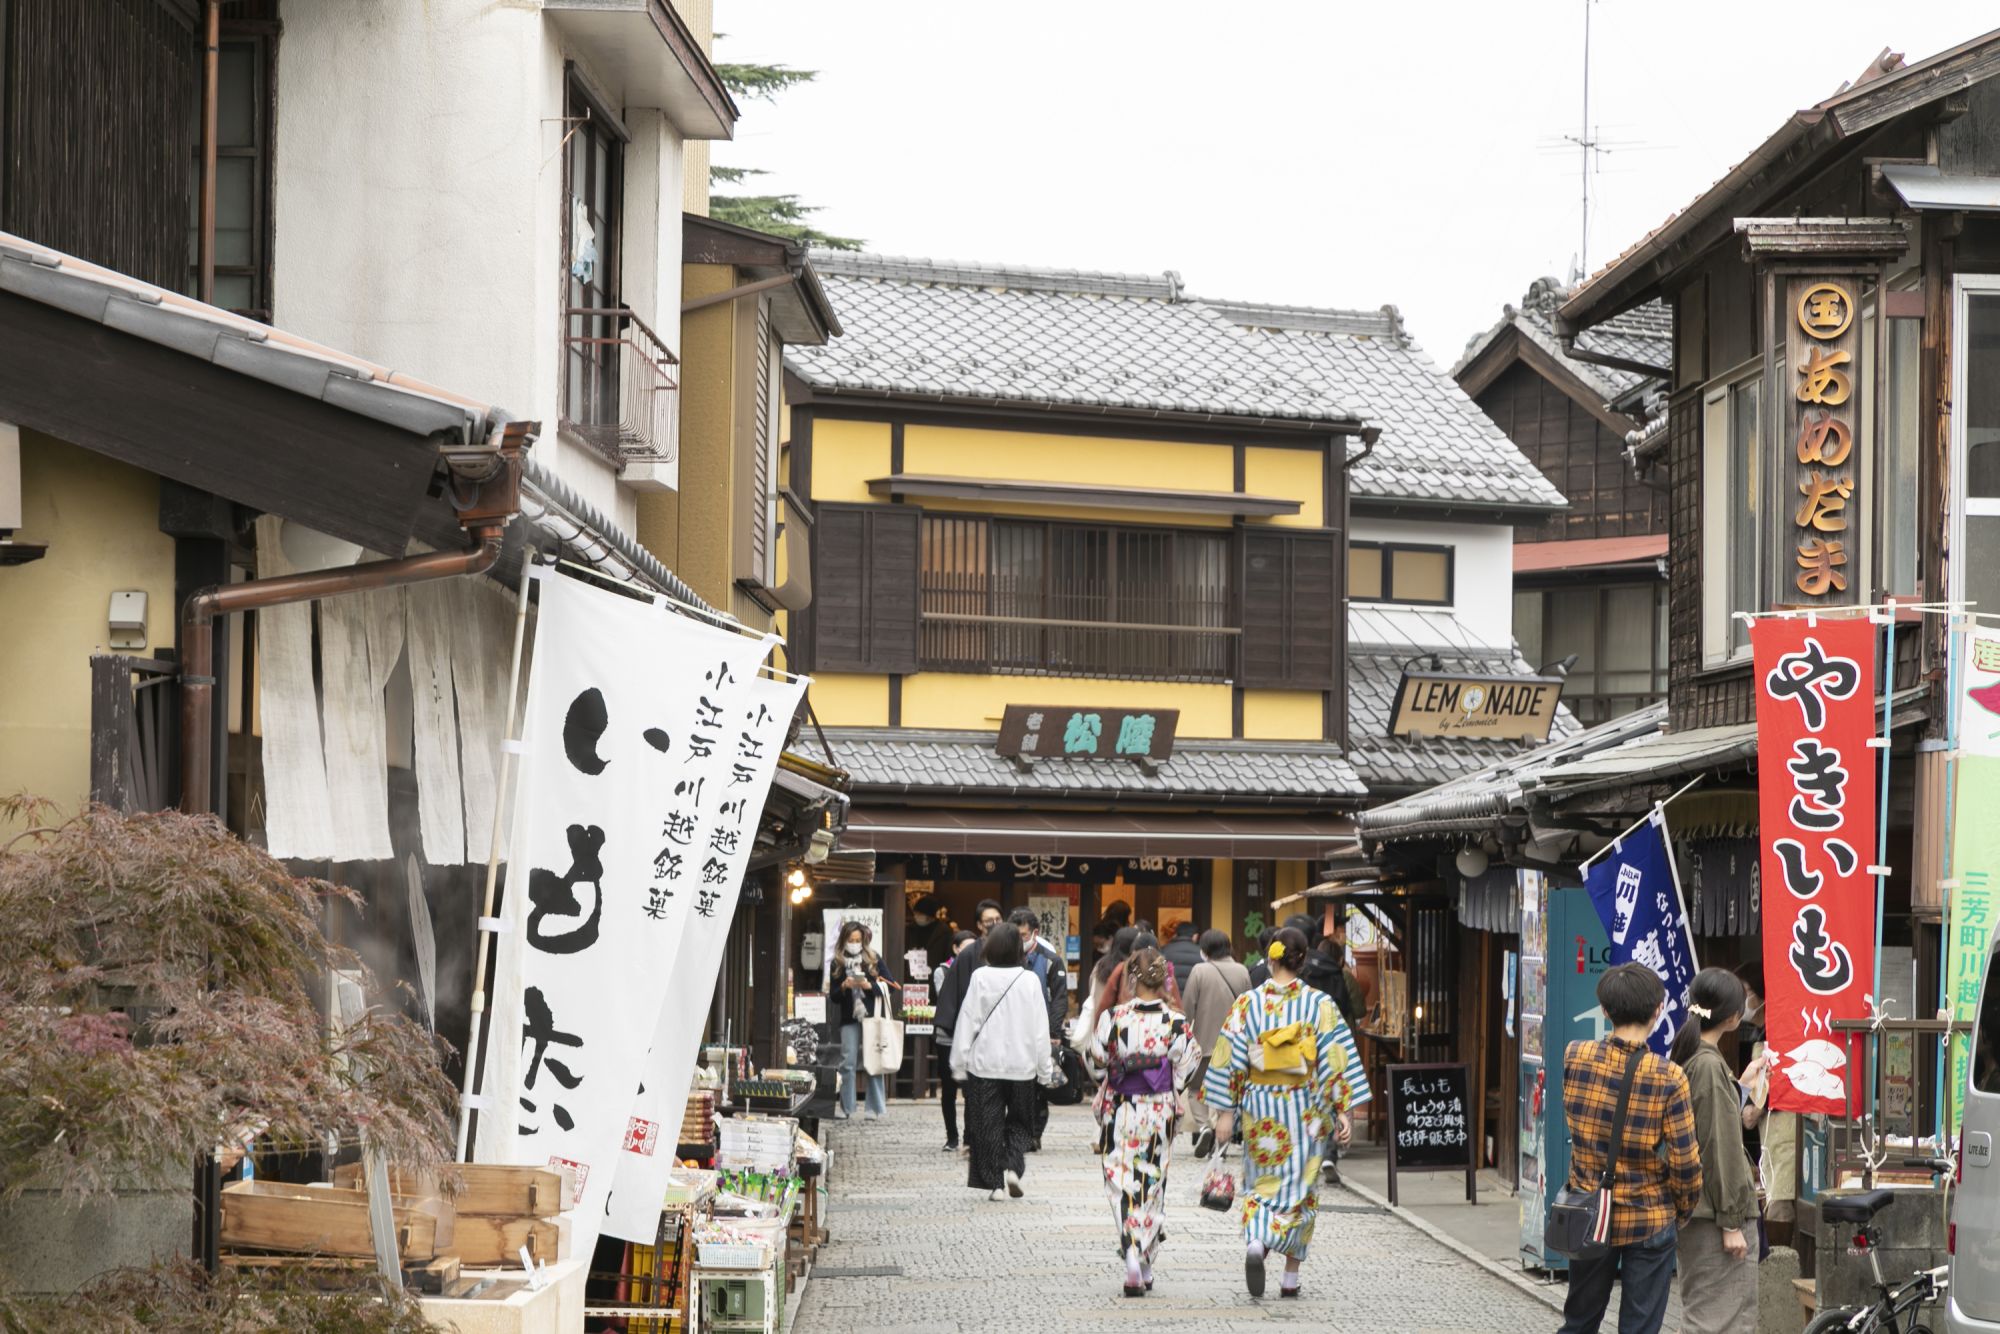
(913, 1249)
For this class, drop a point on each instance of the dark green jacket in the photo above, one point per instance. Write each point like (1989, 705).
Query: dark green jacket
(1728, 1189)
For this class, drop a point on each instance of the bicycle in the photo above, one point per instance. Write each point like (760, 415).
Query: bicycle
(1896, 1306)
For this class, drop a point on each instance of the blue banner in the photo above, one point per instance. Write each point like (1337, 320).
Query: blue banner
(1638, 898)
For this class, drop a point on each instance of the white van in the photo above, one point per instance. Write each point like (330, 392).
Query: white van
(1973, 1304)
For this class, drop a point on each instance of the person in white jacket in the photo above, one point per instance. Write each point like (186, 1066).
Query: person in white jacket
(999, 1051)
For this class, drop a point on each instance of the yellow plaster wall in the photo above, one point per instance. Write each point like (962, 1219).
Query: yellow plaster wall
(1291, 880)
(845, 455)
(1283, 715)
(842, 699)
(949, 700)
(101, 520)
(959, 451)
(688, 529)
(1293, 474)
(1222, 896)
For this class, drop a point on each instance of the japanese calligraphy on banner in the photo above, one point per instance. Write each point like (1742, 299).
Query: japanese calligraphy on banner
(743, 769)
(623, 821)
(1823, 352)
(1816, 805)
(1638, 898)
(1975, 841)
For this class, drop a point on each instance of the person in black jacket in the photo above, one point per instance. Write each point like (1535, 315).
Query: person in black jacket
(1048, 965)
(929, 931)
(1182, 954)
(959, 979)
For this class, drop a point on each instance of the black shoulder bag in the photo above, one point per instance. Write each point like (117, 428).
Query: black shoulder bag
(1580, 1220)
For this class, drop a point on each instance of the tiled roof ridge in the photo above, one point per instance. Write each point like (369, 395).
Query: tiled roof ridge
(1385, 321)
(1005, 277)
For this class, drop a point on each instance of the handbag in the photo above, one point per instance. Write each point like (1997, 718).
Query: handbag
(1218, 1188)
(881, 1040)
(1076, 1083)
(1580, 1220)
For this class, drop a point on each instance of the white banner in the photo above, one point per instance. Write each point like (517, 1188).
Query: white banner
(629, 707)
(742, 770)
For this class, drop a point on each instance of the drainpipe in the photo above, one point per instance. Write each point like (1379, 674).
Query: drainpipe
(495, 499)
(211, 78)
(1369, 435)
(747, 289)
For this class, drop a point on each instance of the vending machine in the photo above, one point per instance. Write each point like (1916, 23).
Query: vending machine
(1563, 952)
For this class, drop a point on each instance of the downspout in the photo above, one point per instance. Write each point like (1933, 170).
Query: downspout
(1369, 435)
(484, 516)
(211, 78)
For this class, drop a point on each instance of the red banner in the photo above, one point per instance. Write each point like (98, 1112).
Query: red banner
(1816, 803)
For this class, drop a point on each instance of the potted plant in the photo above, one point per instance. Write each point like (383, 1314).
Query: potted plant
(157, 997)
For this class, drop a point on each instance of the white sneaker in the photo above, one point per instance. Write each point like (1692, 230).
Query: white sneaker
(1014, 1187)
(998, 1194)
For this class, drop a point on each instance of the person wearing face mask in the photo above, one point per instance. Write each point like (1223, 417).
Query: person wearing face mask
(1717, 1261)
(929, 931)
(863, 992)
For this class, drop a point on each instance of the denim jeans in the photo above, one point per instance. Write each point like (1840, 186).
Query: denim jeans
(850, 1067)
(1644, 1269)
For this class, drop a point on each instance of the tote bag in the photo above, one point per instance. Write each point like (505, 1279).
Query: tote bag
(881, 1040)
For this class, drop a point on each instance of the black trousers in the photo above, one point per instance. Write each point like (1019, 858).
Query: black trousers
(947, 1095)
(999, 1126)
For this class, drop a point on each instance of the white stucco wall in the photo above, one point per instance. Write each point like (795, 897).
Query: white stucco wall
(1482, 568)
(417, 220)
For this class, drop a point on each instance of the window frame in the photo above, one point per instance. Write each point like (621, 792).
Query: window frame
(1388, 549)
(263, 65)
(1659, 659)
(1717, 617)
(1964, 287)
(1045, 654)
(588, 118)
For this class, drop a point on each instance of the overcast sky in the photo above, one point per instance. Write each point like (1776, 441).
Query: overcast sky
(1318, 152)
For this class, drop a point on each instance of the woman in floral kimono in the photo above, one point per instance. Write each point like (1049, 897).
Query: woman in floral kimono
(1147, 1052)
(1286, 1063)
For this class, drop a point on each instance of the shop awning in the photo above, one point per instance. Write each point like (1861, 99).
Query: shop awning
(1053, 833)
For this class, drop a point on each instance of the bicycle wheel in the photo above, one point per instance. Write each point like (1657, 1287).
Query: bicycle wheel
(1836, 1322)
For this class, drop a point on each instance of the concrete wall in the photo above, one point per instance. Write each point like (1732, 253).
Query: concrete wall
(1482, 568)
(418, 195)
(101, 520)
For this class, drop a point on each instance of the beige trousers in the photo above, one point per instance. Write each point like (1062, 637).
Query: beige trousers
(1718, 1294)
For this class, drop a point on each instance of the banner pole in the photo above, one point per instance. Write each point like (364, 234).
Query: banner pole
(1625, 833)
(501, 794)
(1888, 620)
(1674, 874)
(1953, 662)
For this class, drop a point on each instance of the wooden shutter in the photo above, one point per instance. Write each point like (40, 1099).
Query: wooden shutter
(865, 607)
(1292, 633)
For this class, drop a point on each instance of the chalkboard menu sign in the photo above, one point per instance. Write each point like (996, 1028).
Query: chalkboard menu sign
(1430, 1124)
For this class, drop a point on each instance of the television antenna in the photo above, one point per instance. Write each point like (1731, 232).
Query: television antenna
(1589, 146)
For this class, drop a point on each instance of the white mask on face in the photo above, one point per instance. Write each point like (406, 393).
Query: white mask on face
(853, 949)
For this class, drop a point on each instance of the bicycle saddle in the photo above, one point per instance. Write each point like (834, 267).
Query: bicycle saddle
(1860, 1207)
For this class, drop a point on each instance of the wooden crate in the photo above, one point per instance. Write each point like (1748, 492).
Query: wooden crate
(327, 1220)
(490, 1240)
(486, 1188)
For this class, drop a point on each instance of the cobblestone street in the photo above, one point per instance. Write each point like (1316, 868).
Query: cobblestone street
(913, 1249)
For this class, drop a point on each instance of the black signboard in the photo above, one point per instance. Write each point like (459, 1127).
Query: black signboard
(1430, 1124)
(1089, 732)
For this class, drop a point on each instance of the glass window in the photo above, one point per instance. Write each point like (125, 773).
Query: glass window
(1977, 566)
(1364, 572)
(1905, 417)
(1420, 575)
(1986, 1037)
(1742, 501)
(591, 241)
(1528, 626)
(1729, 517)
(242, 171)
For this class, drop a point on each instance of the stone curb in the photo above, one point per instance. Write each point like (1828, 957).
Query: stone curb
(1547, 1294)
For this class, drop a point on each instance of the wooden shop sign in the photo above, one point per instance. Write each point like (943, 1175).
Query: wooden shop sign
(1487, 708)
(1050, 732)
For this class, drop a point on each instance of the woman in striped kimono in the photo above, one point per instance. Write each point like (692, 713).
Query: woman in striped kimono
(1286, 1063)
(1147, 1051)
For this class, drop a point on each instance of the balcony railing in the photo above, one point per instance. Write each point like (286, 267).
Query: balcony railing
(621, 394)
(1050, 646)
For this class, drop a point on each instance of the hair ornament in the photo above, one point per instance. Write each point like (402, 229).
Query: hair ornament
(1700, 1011)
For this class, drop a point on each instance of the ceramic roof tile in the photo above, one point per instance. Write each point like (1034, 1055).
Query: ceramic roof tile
(1436, 443)
(1049, 337)
(966, 763)
(1643, 334)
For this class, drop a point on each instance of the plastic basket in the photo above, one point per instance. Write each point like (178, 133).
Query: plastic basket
(733, 1255)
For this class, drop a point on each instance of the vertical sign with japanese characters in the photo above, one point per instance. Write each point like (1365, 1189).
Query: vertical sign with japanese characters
(753, 713)
(1975, 841)
(1816, 804)
(625, 714)
(1820, 431)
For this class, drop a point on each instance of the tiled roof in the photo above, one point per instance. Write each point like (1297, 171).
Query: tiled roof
(1046, 337)
(940, 763)
(1380, 642)
(1436, 443)
(1643, 334)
